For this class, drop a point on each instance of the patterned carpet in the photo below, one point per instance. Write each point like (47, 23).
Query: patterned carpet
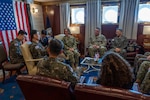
(10, 90)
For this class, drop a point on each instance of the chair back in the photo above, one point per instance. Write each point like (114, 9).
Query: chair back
(43, 88)
(32, 69)
(3, 55)
(59, 36)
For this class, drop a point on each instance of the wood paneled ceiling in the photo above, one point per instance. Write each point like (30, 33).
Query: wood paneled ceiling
(69, 0)
(49, 2)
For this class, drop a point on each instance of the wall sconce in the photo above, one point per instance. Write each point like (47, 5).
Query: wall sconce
(75, 30)
(35, 10)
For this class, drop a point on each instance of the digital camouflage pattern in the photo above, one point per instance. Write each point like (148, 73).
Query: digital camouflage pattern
(15, 53)
(53, 68)
(100, 41)
(139, 58)
(70, 42)
(120, 42)
(144, 77)
(37, 50)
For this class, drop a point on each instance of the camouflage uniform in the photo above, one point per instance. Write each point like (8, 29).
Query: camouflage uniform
(53, 68)
(120, 42)
(139, 59)
(37, 50)
(73, 56)
(44, 41)
(100, 41)
(144, 77)
(15, 53)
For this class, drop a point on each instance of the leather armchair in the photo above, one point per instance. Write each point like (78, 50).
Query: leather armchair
(43, 88)
(98, 92)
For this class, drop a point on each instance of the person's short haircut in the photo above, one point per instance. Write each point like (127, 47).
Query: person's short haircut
(32, 33)
(68, 30)
(22, 32)
(44, 32)
(119, 29)
(55, 46)
(98, 28)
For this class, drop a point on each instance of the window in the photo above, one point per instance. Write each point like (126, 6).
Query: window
(110, 14)
(77, 15)
(144, 13)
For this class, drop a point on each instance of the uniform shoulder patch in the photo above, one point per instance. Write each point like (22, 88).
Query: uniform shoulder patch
(16, 44)
(37, 47)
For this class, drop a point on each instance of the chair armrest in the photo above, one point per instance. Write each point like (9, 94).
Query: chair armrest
(34, 59)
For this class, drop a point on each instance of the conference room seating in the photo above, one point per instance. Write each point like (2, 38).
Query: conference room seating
(43, 88)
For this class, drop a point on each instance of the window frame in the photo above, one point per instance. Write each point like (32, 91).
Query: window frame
(142, 22)
(77, 6)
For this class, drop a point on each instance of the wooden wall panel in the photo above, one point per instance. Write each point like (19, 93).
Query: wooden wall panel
(52, 12)
(109, 30)
(37, 19)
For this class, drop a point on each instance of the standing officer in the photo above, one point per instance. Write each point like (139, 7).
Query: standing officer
(97, 43)
(70, 48)
(119, 43)
(15, 53)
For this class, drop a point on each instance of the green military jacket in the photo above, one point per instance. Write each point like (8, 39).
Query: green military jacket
(120, 42)
(53, 68)
(15, 53)
(37, 50)
(69, 42)
(99, 40)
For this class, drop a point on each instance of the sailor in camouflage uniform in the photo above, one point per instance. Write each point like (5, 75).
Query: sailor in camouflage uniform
(70, 48)
(143, 77)
(15, 53)
(119, 43)
(52, 67)
(139, 59)
(36, 48)
(97, 44)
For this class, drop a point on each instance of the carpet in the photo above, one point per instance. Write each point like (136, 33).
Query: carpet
(1, 73)
(10, 90)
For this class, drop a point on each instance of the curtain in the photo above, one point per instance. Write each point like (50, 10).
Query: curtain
(129, 17)
(64, 16)
(93, 19)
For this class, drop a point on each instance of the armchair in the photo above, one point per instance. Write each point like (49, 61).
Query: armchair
(29, 61)
(44, 88)
(98, 92)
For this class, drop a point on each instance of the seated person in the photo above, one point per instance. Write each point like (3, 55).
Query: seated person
(119, 43)
(15, 53)
(97, 43)
(139, 58)
(115, 71)
(44, 38)
(49, 34)
(53, 68)
(143, 77)
(36, 48)
(70, 49)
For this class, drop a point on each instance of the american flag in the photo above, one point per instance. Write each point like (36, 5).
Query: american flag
(13, 17)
